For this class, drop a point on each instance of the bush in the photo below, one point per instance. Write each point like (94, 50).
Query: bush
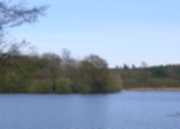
(40, 86)
(82, 88)
(64, 86)
(12, 82)
(114, 85)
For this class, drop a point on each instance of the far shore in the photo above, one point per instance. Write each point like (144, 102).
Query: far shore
(154, 89)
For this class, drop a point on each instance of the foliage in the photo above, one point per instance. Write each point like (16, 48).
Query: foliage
(42, 86)
(51, 73)
(64, 86)
(150, 77)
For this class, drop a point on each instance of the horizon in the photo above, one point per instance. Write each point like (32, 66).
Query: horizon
(122, 32)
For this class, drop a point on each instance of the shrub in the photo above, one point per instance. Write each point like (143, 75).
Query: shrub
(64, 86)
(81, 87)
(40, 86)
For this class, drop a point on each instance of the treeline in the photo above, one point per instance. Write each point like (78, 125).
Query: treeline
(164, 76)
(51, 73)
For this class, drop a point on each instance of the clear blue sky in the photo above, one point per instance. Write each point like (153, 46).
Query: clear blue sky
(121, 31)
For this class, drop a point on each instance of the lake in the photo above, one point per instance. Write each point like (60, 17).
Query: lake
(125, 110)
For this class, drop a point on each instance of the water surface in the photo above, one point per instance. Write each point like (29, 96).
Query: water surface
(125, 110)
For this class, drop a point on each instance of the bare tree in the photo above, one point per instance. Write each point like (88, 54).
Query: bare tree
(53, 63)
(144, 64)
(12, 15)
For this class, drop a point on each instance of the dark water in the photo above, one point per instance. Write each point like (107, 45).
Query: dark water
(126, 110)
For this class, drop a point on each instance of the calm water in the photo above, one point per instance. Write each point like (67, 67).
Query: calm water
(126, 110)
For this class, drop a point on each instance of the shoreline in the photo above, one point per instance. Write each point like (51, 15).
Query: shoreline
(174, 89)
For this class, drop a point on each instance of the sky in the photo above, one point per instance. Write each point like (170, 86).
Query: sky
(120, 31)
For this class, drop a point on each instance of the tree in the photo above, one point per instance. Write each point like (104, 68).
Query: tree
(133, 66)
(13, 15)
(95, 73)
(97, 61)
(66, 55)
(53, 63)
(126, 67)
(69, 65)
(144, 64)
